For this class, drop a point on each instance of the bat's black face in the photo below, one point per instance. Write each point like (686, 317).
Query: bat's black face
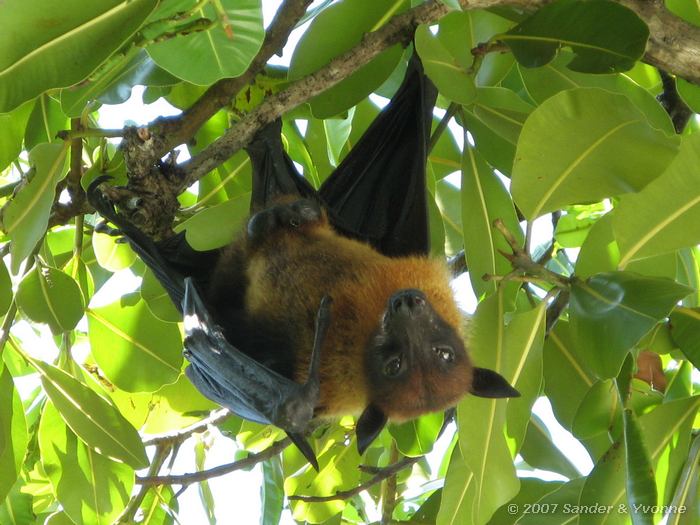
(416, 362)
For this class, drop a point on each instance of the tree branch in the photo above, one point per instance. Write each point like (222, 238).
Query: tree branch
(194, 477)
(178, 436)
(398, 30)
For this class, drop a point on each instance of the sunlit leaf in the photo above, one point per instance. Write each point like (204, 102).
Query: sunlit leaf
(26, 216)
(92, 418)
(136, 351)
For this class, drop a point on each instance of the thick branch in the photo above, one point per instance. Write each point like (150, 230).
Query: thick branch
(398, 30)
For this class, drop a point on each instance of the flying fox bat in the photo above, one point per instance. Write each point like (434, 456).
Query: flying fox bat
(327, 304)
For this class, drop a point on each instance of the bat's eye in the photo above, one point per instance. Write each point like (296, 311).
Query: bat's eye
(445, 353)
(392, 367)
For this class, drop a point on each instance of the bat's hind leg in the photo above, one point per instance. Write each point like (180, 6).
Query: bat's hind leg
(285, 216)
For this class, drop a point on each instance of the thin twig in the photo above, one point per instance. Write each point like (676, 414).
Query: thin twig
(442, 126)
(132, 507)
(181, 435)
(202, 475)
(347, 494)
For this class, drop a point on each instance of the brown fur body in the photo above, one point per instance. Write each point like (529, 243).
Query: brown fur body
(279, 283)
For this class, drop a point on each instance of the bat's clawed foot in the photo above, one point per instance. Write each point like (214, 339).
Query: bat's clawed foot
(283, 217)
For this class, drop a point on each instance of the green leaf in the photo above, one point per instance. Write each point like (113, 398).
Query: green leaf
(610, 312)
(272, 490)
(686, 495)
(216, 226)
(484, 444)
(13, 433)
(112, 254)
(203, 57)
(485, 199)
(546, 81)
(604, 36)
(685, 331)
(47, 295)
(458, 494)
(641, 487)
(333, 32)
(540, 452)
(416, 437)
(12, 128)
(661, 429)
(584, 145)
(90, 487)
(158, 300)
(74, 38)
(665, 215)
(567, 379)
(113, 85)
(17, 507)
(498, 151)
(5, 290)
(93, 419)
(159, 506)
(689, 11)
(136, 351)
(560, 505)
(599, 407)
(26, 216)
(450, 74)
(690, 93)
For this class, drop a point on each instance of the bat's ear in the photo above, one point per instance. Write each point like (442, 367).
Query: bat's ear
(487, 383)
(369, 426)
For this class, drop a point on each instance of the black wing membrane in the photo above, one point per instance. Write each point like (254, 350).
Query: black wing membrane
(377, 194)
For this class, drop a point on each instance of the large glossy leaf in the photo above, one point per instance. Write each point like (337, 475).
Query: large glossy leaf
(26, 216)
(333, 32)
(485, 199)
(71, 39)
(610, 312)
(540, 451)
(604, 36)
(449, 72)
(47, 295)
(665, 215)
(93, 419)
(458, 494)
(136, 351)
(546, 81)
(502, 110)
(158, 300)
(272, 490)
(584, 145)
(685, 331)
(91, 488)
(13, 433)
(661, 429)
(566, 376)
(481, 421)
(220, 52)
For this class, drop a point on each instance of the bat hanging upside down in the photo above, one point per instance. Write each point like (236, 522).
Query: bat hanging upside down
(393, 347)
(327, 304)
